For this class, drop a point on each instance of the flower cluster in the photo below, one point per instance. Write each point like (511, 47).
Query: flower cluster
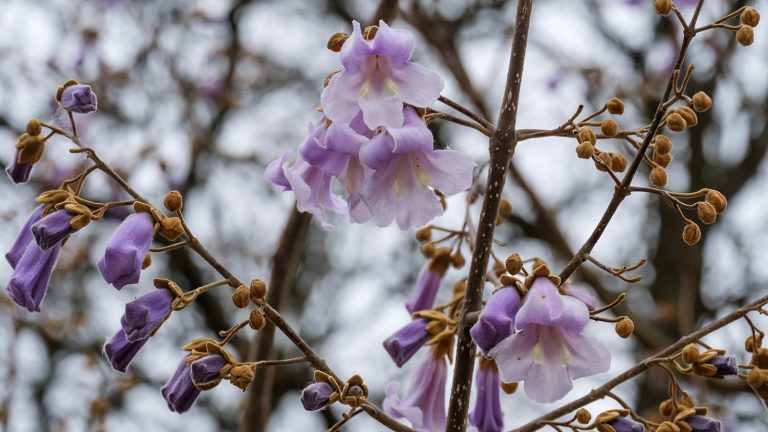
(373, 140)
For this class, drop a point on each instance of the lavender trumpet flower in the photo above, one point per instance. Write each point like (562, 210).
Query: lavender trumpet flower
(144, 315)
(726, 366)
(424, 404)
(17, 171)
(626, 424)
(78, 98)
(206, 372)
(53, 228)
(31, 275)
(316, 396)
(122, 261)
(402, 345)
(120, 351)
(428, 282)
(497, 319)
(181, 392)
(24, 238)
(487, 415)
(700, 423)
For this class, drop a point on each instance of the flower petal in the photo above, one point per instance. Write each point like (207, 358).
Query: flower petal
(514, 355)
(587, 355)
(548, 379)
(449, 171)
(395, 43)
(543, 304)
(355, 49)
(417, 85)
(340, 98)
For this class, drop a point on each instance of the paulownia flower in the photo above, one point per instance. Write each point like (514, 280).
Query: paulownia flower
(206, 372)
(53, 228)
(24, 238)
(549, 350)
(424, 403)
(17, 171)
(122, 261)
(378, 78)
(78, 98)
(699, 423)
(31, 276)
(428, 282)
(487, 415)
(497, 319)
(180, 391)
(145, 314)
(120, 351)
(402, 345)
(316, 396)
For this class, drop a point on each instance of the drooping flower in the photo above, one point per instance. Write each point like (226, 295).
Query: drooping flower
(144, 315)
(497, 319)
(424, 403)
(120, 351)
(122, 261)
(726, 365)
(701, 423)
(31, 276)
(206, 371)
(428, 282)
(487, 415)
(53, 228)
(626, 424)
(549, 350)
(407, 170)
(79, 98)
(316, 396)
(582, 294)
(24, 238)
(17, 171)
(378, 78)
(402, 345)
(180, 392)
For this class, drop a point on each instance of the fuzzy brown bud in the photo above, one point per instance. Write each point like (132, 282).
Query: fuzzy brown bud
(171, 228)
(625, 327)
(585, 150)
(663, 7)
(147, 261)
(675, 122)
(428, 250)
(258, 289)
(668, 427)
(513, 264)
(690, 353)
(750, 17)
(701, 101)
(689, 115)
(717, 200)
(509, 388)
(691, 234)
(618, 162)
(662, 159)
(586, 135)
(505, 207)
(458, 260)
(173, 201)
(424, 234)
(370, 32)
(256, 320)
(749, 344)
(605, 158)
(706, 212)
(658, 177)
(666, 408)
(241, 296)
(615, 106)
(583, 416)
(609, 127)
(745, 35)
(240, 376)
(662, 144)
(34, 128)
(336, 41)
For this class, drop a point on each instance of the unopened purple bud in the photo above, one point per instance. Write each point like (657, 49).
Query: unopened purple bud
(120, 351)
(145, 314)
(123, 258)
(18, 172)
(78, 98)
(31, 275)
(180, 392)
(316, 396)
(726, 365)
(703, 424)
(426, 289)
(626, 424)
(206, 371)
(487, 415)
(497, 319)
(52, 229)
(402, 345)
(24, 238)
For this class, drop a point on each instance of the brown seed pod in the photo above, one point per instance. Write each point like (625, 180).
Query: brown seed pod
(609, 127)
(663, 7)
(662, 159)
(625, 327)
(173, 201)
(34, 127)
(706, 212)
(689, 115)
(513, 264)
(745, 35)
(256, 320)
(658, 177)
(691, 234)
(675, 122)
(701, 101)
(662, 144)
(717, 200)
(424, 234)
(618, 162)
(585, 150)
(586, 135)
(615, 106)
(258, 289)
(750, 17)
(336, 41)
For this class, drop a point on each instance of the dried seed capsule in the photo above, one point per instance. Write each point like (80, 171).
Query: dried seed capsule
(706, 212)
(658, 177)
(505, 207)
(745, 35)
(585, 150)
(662, 144)
(609, 127)
(586, 135)
(615, 106)
(625, 327)
(34, 127)
(662, 159)
(689, 115)
(675, 122)
(258, 289)
(691, 234)
(424, 234)
(173, 201)
(691, 353)
(717, 200)
(618, 162)
(583, 416)
(336, 41)
(701, 101)
(513, 264)
(663, 7)
(750, 17)
(256, 320)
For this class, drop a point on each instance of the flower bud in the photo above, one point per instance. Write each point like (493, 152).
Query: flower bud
(171, 228)
(662, 159)
(749, 344)
(706, 212)
(147, 261)
(662, 144)
(605, 157)
(756, 378)
(586, 135)
(609, 127)
(689, 115)
(625, 327)
(336, 41)
(240, 376)
(583, 416)
(666, 408)
(745, 35)
(585, 150)
(509, 388)
(424, 234)
(618, 162)
(701, 101)
(258, 289)
(690, 353)
(658, 177)
(667, 426)
(370, 32)
(173, 201)
(256, 320)
(663, 7)
(675, 122)
(717, 200)
(513, 264)
(505, 207)
(34, 128)
(457, 260)
(615, 106)
(750, 17)
(428, 250)
(691, 234)
(241, 297)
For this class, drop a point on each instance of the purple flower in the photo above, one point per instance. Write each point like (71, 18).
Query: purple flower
(626, 424)
(703, 424)
(24, 238)
(31, 275)
(120, 351)
(487, 415)
(407, 169)
(78, 98)
(123, 258)
(52, 229)
(427, 285)
(497, 319)
(549, 350)
(144, 315)
(18, 172)
(726, 365)
(180, 392)
(424, 404)
(206, 371)
(378, 78)
(402, 345)
(316, 396)
(582, 294)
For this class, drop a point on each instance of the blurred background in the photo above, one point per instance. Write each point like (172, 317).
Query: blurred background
(200, 95)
